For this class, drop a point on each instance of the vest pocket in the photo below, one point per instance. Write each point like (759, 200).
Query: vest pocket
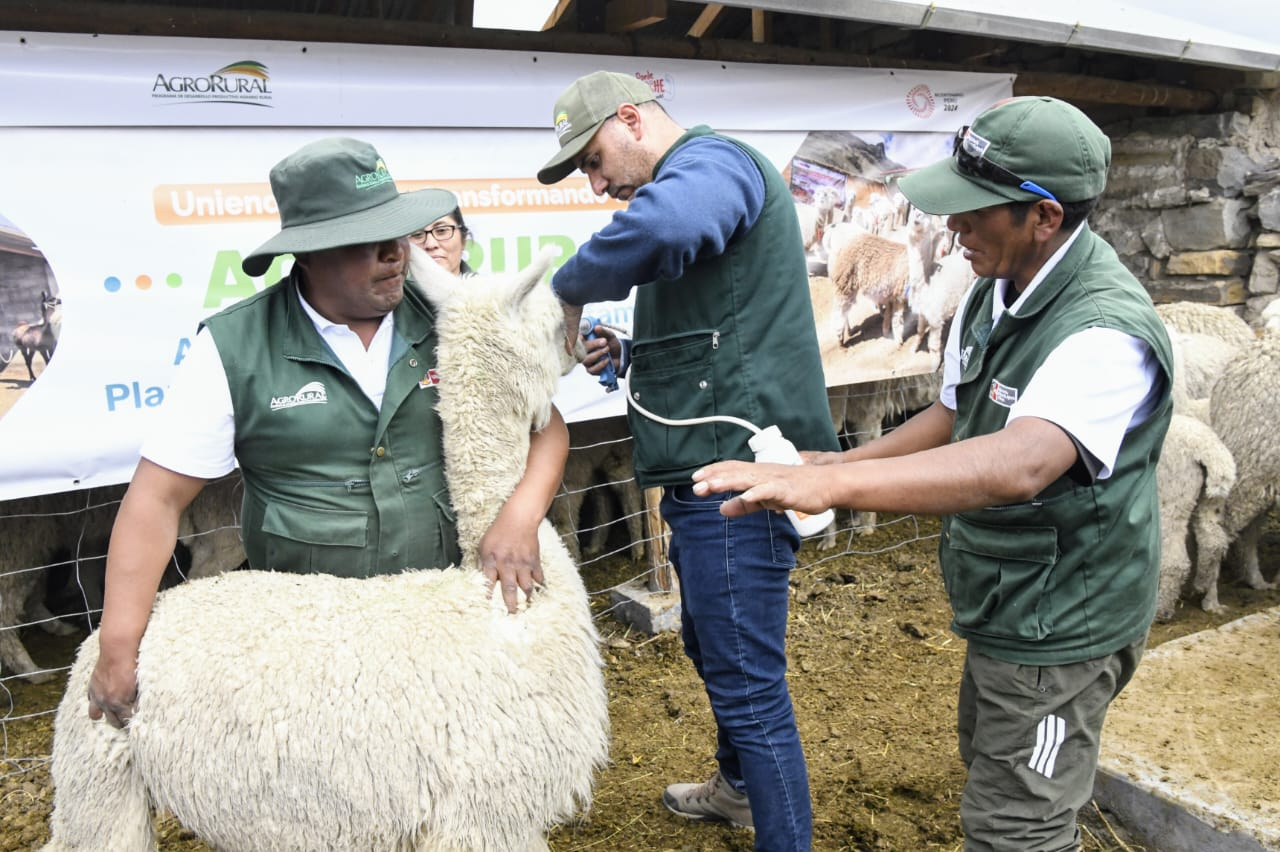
(307, 540)
(998, 578)
(447, 531)
(672, 378)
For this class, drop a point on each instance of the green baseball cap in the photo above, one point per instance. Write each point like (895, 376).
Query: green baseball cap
(580, 111)
(1020, 149)
(338, 192)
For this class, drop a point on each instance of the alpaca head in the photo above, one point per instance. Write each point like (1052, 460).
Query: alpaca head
(509, 322)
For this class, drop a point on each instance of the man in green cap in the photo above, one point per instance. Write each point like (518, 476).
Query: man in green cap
(322, 388)
(1040, 454)
(723, 327)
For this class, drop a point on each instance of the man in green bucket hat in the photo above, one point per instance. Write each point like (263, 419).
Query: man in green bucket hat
(1040, 454)
(322, 388)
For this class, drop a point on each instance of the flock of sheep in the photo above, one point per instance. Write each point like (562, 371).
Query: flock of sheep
(901, 259)
(496, 732)
(1219, 473)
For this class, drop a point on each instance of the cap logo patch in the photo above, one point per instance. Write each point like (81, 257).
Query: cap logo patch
(377, 177)
(975, 145)
(563, 125)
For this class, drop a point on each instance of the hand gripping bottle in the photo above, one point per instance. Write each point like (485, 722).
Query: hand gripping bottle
(609, 377)
(771, 447)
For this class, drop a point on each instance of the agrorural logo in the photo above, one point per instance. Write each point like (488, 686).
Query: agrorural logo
(243, 83)
(312, 393)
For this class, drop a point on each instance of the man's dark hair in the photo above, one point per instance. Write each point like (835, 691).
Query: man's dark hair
(1073, 212)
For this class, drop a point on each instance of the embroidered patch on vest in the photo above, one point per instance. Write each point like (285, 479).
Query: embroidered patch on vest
(964, 356)
(1002, 394)
(312, 393)
(431, 378)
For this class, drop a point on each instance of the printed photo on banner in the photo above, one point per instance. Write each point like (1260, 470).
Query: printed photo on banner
(30, 313)
(885, 278)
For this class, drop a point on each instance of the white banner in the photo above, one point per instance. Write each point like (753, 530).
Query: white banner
(136, 170)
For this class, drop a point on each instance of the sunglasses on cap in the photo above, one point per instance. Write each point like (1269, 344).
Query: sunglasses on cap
(970, 153)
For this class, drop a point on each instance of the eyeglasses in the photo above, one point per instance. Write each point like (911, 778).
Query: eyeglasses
(440, 232)
(970, 151)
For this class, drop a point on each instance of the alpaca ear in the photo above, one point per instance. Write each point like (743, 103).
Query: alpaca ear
(527, 279)
(429, 278)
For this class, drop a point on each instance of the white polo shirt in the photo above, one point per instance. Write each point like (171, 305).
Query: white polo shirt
(1112, 373)
(193, 432)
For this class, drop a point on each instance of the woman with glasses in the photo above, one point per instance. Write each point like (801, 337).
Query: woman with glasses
(444, 240)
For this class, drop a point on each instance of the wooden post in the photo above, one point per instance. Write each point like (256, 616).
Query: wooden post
(662, 577)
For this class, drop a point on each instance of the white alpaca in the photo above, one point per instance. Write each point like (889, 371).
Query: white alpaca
(289, 712)
(1197, 318)
(1194, 476)
(1244, 410)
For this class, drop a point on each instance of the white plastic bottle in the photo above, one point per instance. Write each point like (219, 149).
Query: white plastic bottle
(771, 447)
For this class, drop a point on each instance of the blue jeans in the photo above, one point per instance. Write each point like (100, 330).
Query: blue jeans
(733, 588)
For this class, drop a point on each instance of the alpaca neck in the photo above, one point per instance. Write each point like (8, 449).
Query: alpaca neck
(485, 458)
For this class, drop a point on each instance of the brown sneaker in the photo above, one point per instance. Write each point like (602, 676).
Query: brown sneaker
(710, 800)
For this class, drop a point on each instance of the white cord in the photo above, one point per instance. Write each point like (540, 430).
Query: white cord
(692, 421)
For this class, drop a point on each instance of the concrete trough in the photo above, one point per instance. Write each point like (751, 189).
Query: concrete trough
(1190, 755)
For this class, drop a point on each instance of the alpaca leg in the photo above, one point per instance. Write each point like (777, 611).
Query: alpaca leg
(36, 612)
(1247, 553)
(1175, 566)
(828, 540)
(99, 800)
(564, 514)
(632, 500)
(864, 522)
(1211, 548)
(601, 509)
(14, 591)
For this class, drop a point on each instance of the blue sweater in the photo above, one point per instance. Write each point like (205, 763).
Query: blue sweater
(709, 190)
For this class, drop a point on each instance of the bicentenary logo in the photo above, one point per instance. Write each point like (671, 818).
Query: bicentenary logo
(920, 101)
(311, 393)
(243, 83)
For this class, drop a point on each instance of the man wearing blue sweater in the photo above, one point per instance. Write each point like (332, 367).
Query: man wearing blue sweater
(723, 326)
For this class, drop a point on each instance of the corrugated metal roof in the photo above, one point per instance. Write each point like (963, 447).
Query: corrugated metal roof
(1087, 24)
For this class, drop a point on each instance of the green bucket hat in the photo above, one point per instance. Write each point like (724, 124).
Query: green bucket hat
(1020, 149)
(338, 192)
(580, 111)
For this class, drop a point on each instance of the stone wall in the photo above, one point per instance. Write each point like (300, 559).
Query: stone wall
(1193, 203)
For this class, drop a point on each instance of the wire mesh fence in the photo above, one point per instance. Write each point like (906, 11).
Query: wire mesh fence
(53, 558)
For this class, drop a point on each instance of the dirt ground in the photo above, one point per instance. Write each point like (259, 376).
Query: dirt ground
(874, 671)
(870, 355)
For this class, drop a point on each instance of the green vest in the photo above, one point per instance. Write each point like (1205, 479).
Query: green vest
(735, 336)
(331, 484)
(1072, 574)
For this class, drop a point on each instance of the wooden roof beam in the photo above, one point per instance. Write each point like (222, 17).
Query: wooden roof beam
(707, 19)
(554, 16)
(761, 26)
(623, 16)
